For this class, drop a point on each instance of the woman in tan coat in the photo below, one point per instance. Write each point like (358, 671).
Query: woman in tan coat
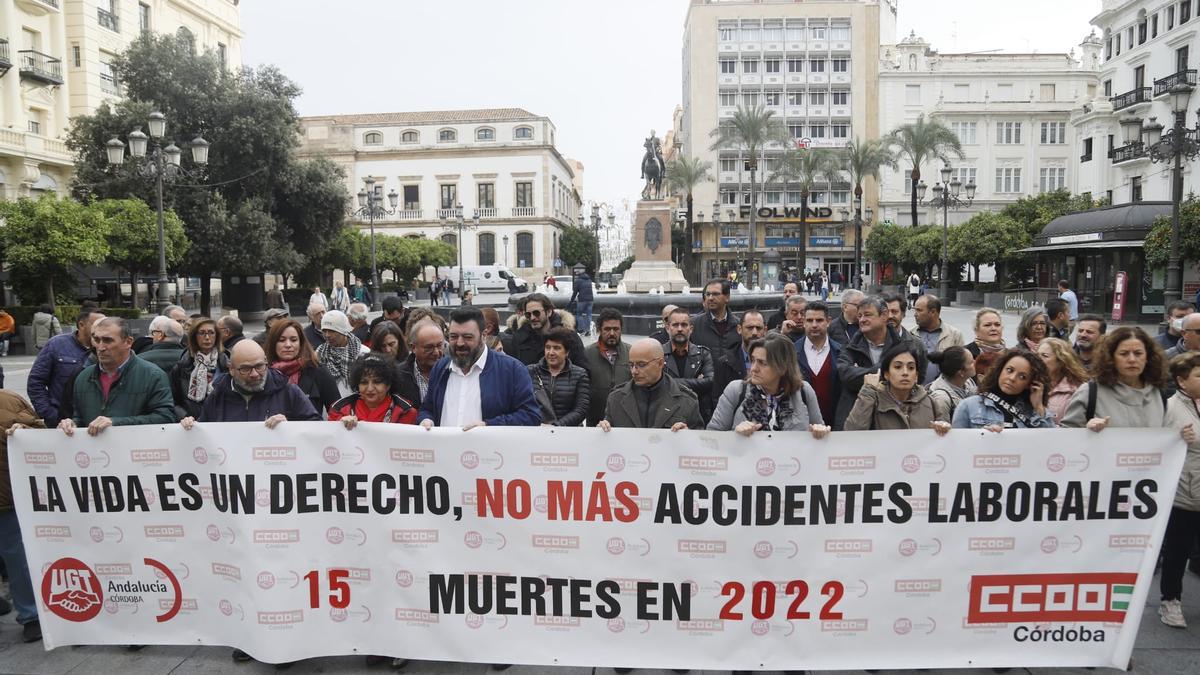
(897, 401)
(1183, 527)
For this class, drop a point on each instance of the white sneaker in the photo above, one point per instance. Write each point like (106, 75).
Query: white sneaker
(1170, 612)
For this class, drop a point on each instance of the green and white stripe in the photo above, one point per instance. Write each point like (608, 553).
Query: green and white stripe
(1121, 596)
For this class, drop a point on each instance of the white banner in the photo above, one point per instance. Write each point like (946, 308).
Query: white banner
(575, 547)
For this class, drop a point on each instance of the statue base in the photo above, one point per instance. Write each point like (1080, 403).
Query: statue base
(646, 275)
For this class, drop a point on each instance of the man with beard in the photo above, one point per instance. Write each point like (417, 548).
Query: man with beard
(793, 323)
(1088, 331)
(789, 289)
(252, 392)
(716, 326)
(475, 386)
(607, 363)
(526, 344)
(651, 400)
(690, 364)
(735, 362)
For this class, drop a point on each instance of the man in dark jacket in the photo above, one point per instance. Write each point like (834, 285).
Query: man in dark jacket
(859, 360)
(166, 347)
(120, 389)
(427, 345)
(525, 344)
(252, 392)
(232, 332)
(735, 361)
(651, 400)
(357, 314)
(845, 327)
(15, 413)
(789, 289)
(581, 295)
(474, 386)
(690, 364)
(269, 319)
(57, 364)
(394, 311)
(818, 357)
(607, 363)
(716, 326)
(316, 312)
(661, 333)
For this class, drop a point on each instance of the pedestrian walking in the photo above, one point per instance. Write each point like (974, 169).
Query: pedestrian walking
(289, 352)
(8, 330)
(582, 297)
(914, 287)
(447, 290)
(319, 298)
(1072, 300)
(435, 289)
(339, 298)
(895, 399)
(562, 389)
(1067, 374)
(774, 395)
(1013, 394)
(193, 374)
(835, 280)
(45, 326)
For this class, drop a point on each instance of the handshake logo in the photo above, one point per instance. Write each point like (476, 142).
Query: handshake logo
(72, 590)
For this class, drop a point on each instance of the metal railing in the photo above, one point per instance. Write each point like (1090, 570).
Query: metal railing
(1162, 86)
(52, 3)
(108, 20)
(1130, 98)
(409, 214)
(1129, 152)
(524, 211)
(5, 59)
(40, 66)
(486, 213)
(443, 214)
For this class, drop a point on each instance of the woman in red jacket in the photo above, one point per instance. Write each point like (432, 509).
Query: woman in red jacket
(373, 378)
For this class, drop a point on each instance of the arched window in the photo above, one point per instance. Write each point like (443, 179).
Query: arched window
(487, 248)
(450, 238)
(447, 136)
(523, 133)
(373, 138)
(485, 134)
(410, 137)
(186, 35)
(524, 249)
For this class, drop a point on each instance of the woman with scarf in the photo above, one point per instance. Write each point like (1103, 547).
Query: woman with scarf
(895, 399)
(340, 349)
(774, 395)
(957, 379)
(1067, 374)
(192, 375)
(290, 353)
(374, 379)
(1012, 394)
(1033, 328)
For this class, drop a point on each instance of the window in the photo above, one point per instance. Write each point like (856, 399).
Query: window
(749, 67)
(1108, 49)
(410, 137)
(1135, 183)
(189, 40)
(774, 198)
(795, 33)
(1107, 88)
(772, 66)
(1141, 31)
(1118, 41)
(1111, 145)
(796, 130)
(912, 94)
(447, 136)
(524, 249)
(839, 33)
(728, 99)
(412, 197)
(523, 133)
(908, 182)
(449, 196)
(816, 98)
(1008, 133)
(108, 76)
(750, 33)
(728, 67)
(726, 33)
(963, 174)
(1087, 150)
(485, 134)
(1170, 23)
(772, 98)
(1008, 180)
(524, 195)
(729, 198)
(729, 165)
(1185, 13)
(487, 248)
(817, 32)
(841, 98)
(35, 127)
(817, 198)
(75, 56)
(816, 66)
(840, 197)
(450, 238)
(1046, 92)
(750, 99)
(773, 33)
(1181, 59)
(1139, 77)
(1054, 133)
(795, 98)
(372, 138)
(841, 65)
(966, 131)
(816, 131)
(1154, 26)
(795, 65)
(486, 195)
(841, 130)
(143, 17)
(1051, 179)
(222, 56)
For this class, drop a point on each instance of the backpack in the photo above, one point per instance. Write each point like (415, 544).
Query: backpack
(1092, 394)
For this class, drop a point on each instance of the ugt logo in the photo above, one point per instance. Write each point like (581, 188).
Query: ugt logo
(72, 590)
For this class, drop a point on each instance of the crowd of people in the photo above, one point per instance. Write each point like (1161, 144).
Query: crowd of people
(799, 369)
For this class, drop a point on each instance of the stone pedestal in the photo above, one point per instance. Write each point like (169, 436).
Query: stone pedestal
(652, 266)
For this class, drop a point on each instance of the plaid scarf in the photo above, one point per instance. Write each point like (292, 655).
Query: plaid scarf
(337, 360)
(200, 380)
(769, 411)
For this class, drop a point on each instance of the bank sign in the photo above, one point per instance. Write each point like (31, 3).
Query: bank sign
(783, 242)
(813, 213)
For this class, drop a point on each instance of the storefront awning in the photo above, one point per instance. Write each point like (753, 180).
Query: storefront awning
(1124, 225)
(1116, 243)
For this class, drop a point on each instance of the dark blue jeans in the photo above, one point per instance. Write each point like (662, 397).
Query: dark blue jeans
(13, 552)
(583, 316)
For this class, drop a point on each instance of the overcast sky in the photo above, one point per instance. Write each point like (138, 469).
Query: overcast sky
(604, 71)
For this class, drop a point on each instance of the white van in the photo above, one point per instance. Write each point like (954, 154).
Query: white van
(484, 278)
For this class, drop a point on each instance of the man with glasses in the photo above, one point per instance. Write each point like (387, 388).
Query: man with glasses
(608, 363)
(120, 389)
(475, 386)
(252, 392)
(427, 345)
(716, 326)
(650, 400)
(1189, 340)
(165, 346)
(527, 342)
(232, 331)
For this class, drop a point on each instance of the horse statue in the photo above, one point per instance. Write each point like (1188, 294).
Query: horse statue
(653, 168)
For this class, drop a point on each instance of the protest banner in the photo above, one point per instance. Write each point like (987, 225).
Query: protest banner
(577, 547)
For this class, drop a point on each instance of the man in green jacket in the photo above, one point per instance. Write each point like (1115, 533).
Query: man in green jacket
(607, 362)
(120, 389)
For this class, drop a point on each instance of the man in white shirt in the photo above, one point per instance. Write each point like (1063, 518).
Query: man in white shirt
(818, 356)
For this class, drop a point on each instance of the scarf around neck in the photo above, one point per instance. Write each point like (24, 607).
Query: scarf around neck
(200, 381)
(769, 411)
(289, 369)
(337, 360)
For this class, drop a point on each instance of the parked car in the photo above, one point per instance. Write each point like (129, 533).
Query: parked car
(485, 278)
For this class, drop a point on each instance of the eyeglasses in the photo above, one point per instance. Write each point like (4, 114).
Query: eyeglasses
(642, 365)
(1195, 331)
(157, 332)
(530, 315)
(246, 370)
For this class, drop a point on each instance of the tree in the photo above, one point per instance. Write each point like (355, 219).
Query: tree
(922, 141)
(46, 237)
(133, 236)
(623, 265)
(684, 173)
(988, 238)
(401, 255)
(864, 159)
(434, 253)
(884, 243)
(578, 246)
(805, 167)
(1034, 213)
(1158, 242)
(750, 131)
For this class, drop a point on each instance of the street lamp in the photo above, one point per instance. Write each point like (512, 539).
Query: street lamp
(610, 216)
(947, 195)
(860, 218)
(714, 271)
(505, 240)
(1175, 146)
(370, 205)
(162, 164)
(458, 225)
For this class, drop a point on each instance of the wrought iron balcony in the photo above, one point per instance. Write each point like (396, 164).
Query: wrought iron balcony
(5, 59)
(1125, 153)
(1130, 98)
(108, 20)
(40, 67)
(1085, 158)
(1164, 85)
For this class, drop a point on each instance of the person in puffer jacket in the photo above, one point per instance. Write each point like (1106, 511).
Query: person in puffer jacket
(252, 392)
(562, 389)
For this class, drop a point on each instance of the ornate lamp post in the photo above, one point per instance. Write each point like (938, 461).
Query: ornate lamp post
(458, 225)
(505, 240)
(716, 222)
(946, 195)
(162, 164)
(611, 217)
(370, 205)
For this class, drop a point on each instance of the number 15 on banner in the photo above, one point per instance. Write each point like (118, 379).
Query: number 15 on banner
(339, 589)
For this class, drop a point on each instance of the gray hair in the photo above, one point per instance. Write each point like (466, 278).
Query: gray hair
(415, 330)
(231, 322)
(796, 299)
(171, 308)
(357, 312)
(875, 301)
(315, 307)
(168, 326)
(117, 322)
(1027, 318)
(852, 296)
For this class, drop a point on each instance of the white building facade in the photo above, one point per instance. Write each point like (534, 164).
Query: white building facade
(1011, 112)
(816, 65)
(56, 61)
(497, 167)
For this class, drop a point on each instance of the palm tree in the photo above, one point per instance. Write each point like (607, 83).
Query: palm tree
(863, 159)
(684, 173)
(750, 131)
(805, 167)
(922, 141)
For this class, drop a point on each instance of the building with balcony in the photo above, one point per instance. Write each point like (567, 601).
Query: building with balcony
(497, 166)
(816, 65)
(1011, 112)
(56, 61)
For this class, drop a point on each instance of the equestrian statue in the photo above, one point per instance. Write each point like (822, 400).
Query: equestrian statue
(654, 169)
